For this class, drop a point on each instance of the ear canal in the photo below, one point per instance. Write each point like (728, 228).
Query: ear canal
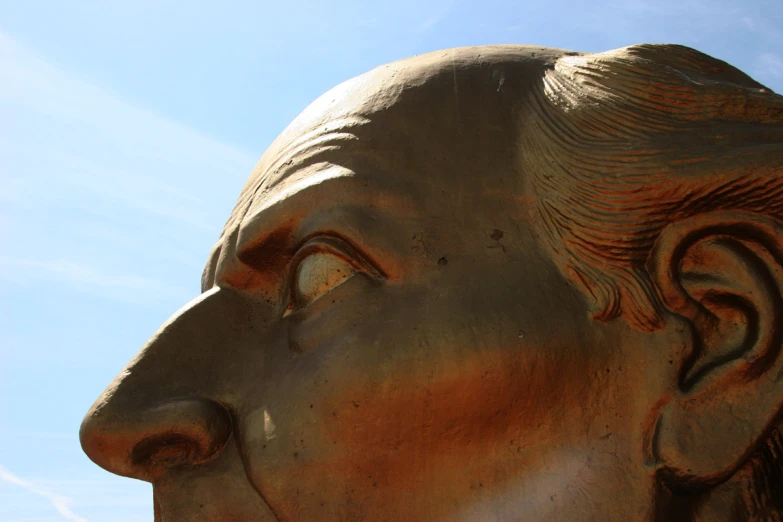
(723, 273)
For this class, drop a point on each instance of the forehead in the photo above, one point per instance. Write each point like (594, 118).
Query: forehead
(433, 104)
(429, 91)
(445, 118)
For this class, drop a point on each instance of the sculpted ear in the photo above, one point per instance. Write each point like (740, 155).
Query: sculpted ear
(723, 273)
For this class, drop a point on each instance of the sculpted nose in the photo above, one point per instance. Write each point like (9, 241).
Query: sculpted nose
(144, 444)
(161, 411)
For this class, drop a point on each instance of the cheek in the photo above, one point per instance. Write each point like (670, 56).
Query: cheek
(443, 409)
(425, 387)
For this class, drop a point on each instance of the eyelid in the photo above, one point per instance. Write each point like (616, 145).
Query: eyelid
(340, 246)
(332, 244)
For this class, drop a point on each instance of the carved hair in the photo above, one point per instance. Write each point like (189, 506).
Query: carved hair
(629, 141)
(763, 478)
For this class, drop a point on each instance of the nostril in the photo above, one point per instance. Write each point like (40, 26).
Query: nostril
(167, 451)
(144, 443)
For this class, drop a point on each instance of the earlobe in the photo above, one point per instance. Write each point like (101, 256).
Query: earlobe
(723, 273)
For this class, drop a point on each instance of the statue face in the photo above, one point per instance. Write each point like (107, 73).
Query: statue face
(384, 334)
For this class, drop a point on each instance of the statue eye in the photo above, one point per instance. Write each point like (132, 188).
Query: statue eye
(317, 275)
(321, 265)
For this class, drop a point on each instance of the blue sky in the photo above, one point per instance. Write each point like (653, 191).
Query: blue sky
(126, 132)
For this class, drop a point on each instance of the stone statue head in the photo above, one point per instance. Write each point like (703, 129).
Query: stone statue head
(484, 284)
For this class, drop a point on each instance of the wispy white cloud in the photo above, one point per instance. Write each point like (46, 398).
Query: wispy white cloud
(100, 195)
(48, 435)
(366, 22)
(434, 19)
(763, 28)
(770, 65)
(60, 503)
(67, 135)
(703, 8)
(85, 278)
(697, 15)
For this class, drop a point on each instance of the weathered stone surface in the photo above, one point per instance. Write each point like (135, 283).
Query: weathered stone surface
(484, 284)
